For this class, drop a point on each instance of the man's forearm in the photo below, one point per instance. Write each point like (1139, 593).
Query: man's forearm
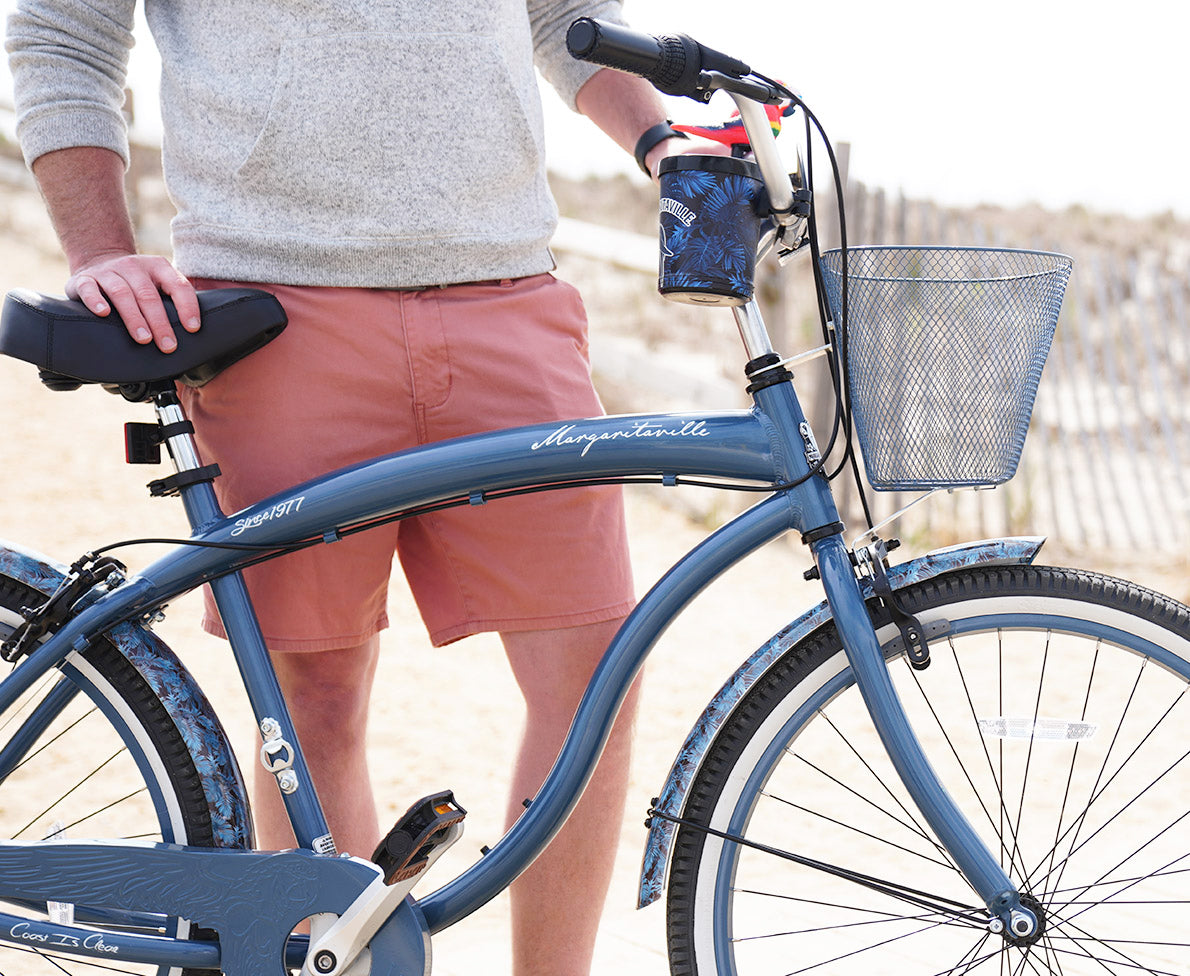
(83, 189)
(624, 107)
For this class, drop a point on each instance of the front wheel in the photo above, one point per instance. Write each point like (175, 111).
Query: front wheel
(1056, 712)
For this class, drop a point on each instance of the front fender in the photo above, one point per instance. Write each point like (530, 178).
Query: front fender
(672, 798)
(177, 690)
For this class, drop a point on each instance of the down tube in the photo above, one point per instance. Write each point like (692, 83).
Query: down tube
(599, 706)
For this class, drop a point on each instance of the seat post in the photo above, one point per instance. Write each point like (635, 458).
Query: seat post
(192, 479)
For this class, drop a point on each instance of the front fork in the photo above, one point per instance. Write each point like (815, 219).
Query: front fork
(969, 852)
(774, 393)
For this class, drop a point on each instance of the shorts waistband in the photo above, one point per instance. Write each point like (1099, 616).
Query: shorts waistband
(498, 282)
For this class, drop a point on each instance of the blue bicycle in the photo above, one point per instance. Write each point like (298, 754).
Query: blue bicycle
(960, 763)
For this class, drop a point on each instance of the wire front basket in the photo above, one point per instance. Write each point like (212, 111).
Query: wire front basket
(944, 349)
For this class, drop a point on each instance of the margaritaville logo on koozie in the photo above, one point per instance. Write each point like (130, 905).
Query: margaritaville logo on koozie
(678, 209)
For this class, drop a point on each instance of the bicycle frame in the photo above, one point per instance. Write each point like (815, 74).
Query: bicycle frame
(768, 445)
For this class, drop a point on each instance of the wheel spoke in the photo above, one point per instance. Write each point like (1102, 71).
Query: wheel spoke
(1119, 813)
(1111, 897)
(911, 821)
(868, 948)
(912, 828)
(56, 960)
(864, 833)
(1100, 791)
(1095, 792)
(1016, 859)
(1084, 941)
(1073, 763)
(1089, 811)
(49, 744)
(95, 772)
(867, 923)
(1001, 829)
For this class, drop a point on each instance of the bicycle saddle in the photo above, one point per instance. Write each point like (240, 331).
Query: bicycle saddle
(71, 346)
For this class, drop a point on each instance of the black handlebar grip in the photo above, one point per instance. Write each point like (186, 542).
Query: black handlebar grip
(671, 64)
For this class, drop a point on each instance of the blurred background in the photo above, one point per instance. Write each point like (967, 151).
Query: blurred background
(1057, 102)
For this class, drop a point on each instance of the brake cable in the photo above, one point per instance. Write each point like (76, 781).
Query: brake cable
(954, 910)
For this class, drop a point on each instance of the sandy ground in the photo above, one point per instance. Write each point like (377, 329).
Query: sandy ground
(64, 489)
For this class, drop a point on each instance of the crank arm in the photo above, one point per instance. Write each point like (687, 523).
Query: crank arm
(338, 946)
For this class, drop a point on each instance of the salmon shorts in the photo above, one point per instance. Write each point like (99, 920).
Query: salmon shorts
(360, 373)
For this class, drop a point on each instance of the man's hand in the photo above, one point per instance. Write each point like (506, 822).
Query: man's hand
(133, 284)
(84, 192)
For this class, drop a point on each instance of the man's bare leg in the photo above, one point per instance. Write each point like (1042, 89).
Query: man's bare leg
(557, 903)
(327, 693)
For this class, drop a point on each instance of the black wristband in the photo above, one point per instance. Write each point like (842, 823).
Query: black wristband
(651, 137)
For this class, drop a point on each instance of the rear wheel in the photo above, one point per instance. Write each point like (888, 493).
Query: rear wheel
(1055, 710)
(91, 753)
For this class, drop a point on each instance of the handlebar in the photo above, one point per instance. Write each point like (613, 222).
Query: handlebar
(674, 64)
(679, 65)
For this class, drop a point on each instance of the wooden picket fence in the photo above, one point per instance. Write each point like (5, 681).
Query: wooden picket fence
(1107, 460)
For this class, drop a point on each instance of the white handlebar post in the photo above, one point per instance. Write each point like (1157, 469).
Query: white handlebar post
(780, 190)
(764, 149)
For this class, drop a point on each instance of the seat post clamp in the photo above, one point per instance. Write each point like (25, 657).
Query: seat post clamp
(175, 483)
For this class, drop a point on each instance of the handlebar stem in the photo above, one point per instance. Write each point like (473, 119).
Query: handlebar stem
(764, 149)
(753, 331)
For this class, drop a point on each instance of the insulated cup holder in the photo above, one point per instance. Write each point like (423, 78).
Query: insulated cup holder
(710, 229)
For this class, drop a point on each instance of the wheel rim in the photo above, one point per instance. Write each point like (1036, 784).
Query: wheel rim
(93, 774)
(1066, 802)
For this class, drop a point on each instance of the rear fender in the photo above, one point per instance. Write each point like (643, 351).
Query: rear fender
(177, 690)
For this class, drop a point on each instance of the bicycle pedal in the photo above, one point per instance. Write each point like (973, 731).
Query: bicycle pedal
(426, 826)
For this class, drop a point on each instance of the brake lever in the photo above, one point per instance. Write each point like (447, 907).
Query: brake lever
(748, 87)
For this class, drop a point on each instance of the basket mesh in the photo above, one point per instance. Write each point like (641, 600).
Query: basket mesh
(945, 348)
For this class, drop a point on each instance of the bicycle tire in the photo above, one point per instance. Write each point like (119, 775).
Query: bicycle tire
(112, 765)
(1053, 709)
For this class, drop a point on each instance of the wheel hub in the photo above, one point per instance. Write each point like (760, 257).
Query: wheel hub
(1012, 933)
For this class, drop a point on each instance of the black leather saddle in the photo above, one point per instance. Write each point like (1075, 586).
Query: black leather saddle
(71, 346)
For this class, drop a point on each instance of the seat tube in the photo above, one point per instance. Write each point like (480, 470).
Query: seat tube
(939, 809)
(280, 752)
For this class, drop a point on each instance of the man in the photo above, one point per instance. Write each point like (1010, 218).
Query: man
(379, 167)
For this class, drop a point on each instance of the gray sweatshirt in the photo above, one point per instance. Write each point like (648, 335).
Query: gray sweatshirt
(386, 143)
